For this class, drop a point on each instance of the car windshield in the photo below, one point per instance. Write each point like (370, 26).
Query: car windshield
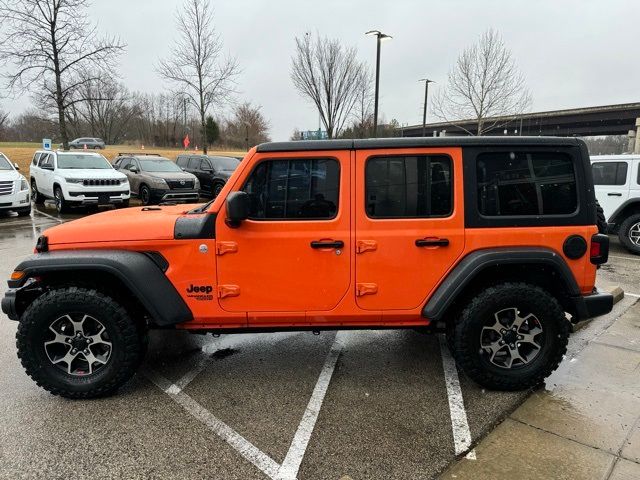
(159, 165)
(82, 161)
(225, 163)
(4, 163)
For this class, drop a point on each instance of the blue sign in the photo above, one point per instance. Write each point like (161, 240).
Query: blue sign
(46, 143)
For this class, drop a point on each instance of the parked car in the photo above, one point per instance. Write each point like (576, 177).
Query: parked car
(14, 188)
(76, 179)
(91, 143)
(491, 240)
(155, 179)
(212, 171)
(617, 185)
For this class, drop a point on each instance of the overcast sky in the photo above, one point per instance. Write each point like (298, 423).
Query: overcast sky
(573, 53)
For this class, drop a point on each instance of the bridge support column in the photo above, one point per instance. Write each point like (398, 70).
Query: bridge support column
(631, 141)
(636, 147)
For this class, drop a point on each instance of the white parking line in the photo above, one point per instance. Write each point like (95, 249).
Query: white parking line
(624, 257)
(48, 216)
(300, 442)
(459, 423)
(635, 295)
(243, 446)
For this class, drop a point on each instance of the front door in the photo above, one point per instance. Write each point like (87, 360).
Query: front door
(611, 184)
(409, 224)
(293, 253)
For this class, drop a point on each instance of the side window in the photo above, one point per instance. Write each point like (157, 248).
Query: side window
(521, 183)
(182, 161)
(609, 173)
(294, 189)
(194, 163)
(205, 165)
(124, 163)
(36, 157)
(46, 160)
(408, 187)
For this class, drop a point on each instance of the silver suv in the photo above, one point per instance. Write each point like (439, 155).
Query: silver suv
(90, 143)
(155, 179)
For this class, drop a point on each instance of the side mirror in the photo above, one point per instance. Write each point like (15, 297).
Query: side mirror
(134, 170)
(237, 208)
(16, 166)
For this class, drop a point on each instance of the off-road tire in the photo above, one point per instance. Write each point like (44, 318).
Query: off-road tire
(601, 220)
(127, 338)
(623, 233)
(37, 197)
(468, 327)
(61, 203)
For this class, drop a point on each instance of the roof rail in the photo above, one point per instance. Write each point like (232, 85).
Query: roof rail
(138, 154)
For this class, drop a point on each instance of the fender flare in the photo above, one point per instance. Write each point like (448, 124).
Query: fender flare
(615, 216)
(475, 262)
(141, 273)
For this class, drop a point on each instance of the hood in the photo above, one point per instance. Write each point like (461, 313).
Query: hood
(171, 175)
(129, 224)
(93, 173)
(8, 175)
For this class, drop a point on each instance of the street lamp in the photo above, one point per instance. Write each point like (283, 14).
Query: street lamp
(379, 37)
(424, 112)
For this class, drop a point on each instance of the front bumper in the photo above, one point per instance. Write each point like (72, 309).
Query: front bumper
(8, 304)
(109, 197)
(174, 195)
(17, 201)
(590, 306)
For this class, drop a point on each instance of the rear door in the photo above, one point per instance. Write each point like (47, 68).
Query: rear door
(293, 253)
(611, 180)
(409, 224)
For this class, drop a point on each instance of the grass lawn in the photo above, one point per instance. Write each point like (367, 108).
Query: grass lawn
(22, 152)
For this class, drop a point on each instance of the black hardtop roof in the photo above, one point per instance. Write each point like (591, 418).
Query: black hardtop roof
(414, 142)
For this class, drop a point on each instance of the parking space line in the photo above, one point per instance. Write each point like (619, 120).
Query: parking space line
(624, 257)
(459, 422)
(48, 216)
(248, 450)
(300, 442)
(635, 295)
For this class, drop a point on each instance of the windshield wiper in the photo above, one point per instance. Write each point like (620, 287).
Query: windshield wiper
(201, 208)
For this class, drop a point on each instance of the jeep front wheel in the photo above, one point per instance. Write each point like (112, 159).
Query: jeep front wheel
(510, 336)
(78, 343)
(629, 233)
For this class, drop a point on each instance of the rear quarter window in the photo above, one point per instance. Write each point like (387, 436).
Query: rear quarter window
(609, 173)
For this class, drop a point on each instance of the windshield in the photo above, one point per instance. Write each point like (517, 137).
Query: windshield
(80, 161)
(159, 165)
(225, 163)
(4, 163)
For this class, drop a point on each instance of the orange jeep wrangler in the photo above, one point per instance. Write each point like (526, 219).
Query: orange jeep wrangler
(490, 240)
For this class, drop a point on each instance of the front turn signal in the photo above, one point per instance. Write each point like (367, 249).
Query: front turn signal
(17, 275)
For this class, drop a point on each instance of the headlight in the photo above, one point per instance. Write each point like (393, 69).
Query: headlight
(196, 184)
(23, 184)
(73, 180)
(124, 181)
(158, 182)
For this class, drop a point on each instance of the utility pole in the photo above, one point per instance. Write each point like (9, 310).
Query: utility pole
(379, 37)
(424, 111)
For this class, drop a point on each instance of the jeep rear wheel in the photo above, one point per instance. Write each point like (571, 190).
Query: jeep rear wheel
(629, 233)
(78, 343)
(511, 336)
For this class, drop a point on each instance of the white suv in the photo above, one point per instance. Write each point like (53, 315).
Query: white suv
(14, 189)
(77, 178)
(617, 184)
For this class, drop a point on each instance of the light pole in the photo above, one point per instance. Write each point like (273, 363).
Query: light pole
(424, 112)
(379, 37)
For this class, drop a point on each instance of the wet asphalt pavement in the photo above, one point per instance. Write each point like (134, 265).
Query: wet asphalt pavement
(359, 405)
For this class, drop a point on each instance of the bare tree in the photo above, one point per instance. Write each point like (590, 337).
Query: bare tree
(330, 76)
(484, 83)
(51, 44)
(196, 65)
(246, 128)
(4, 121)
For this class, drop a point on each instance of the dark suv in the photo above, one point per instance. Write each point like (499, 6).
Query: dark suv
(213, 171)
(155, 179)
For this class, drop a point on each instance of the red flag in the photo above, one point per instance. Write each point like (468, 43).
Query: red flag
(186, 141)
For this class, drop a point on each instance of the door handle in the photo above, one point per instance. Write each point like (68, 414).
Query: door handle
(432, 242)
(327, 244)
(614, 194)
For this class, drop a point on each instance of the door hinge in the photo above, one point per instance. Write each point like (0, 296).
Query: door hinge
(228, 291)
(366, 289)
(366, 246)
(226, 247)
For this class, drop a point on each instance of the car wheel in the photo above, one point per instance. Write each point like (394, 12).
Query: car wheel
(24, 212)
(217, 188)
(145, 195)
(61, 203)
(629, 233)
(601, 220)
(38, 199)
(78, 343)
(510, 336)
